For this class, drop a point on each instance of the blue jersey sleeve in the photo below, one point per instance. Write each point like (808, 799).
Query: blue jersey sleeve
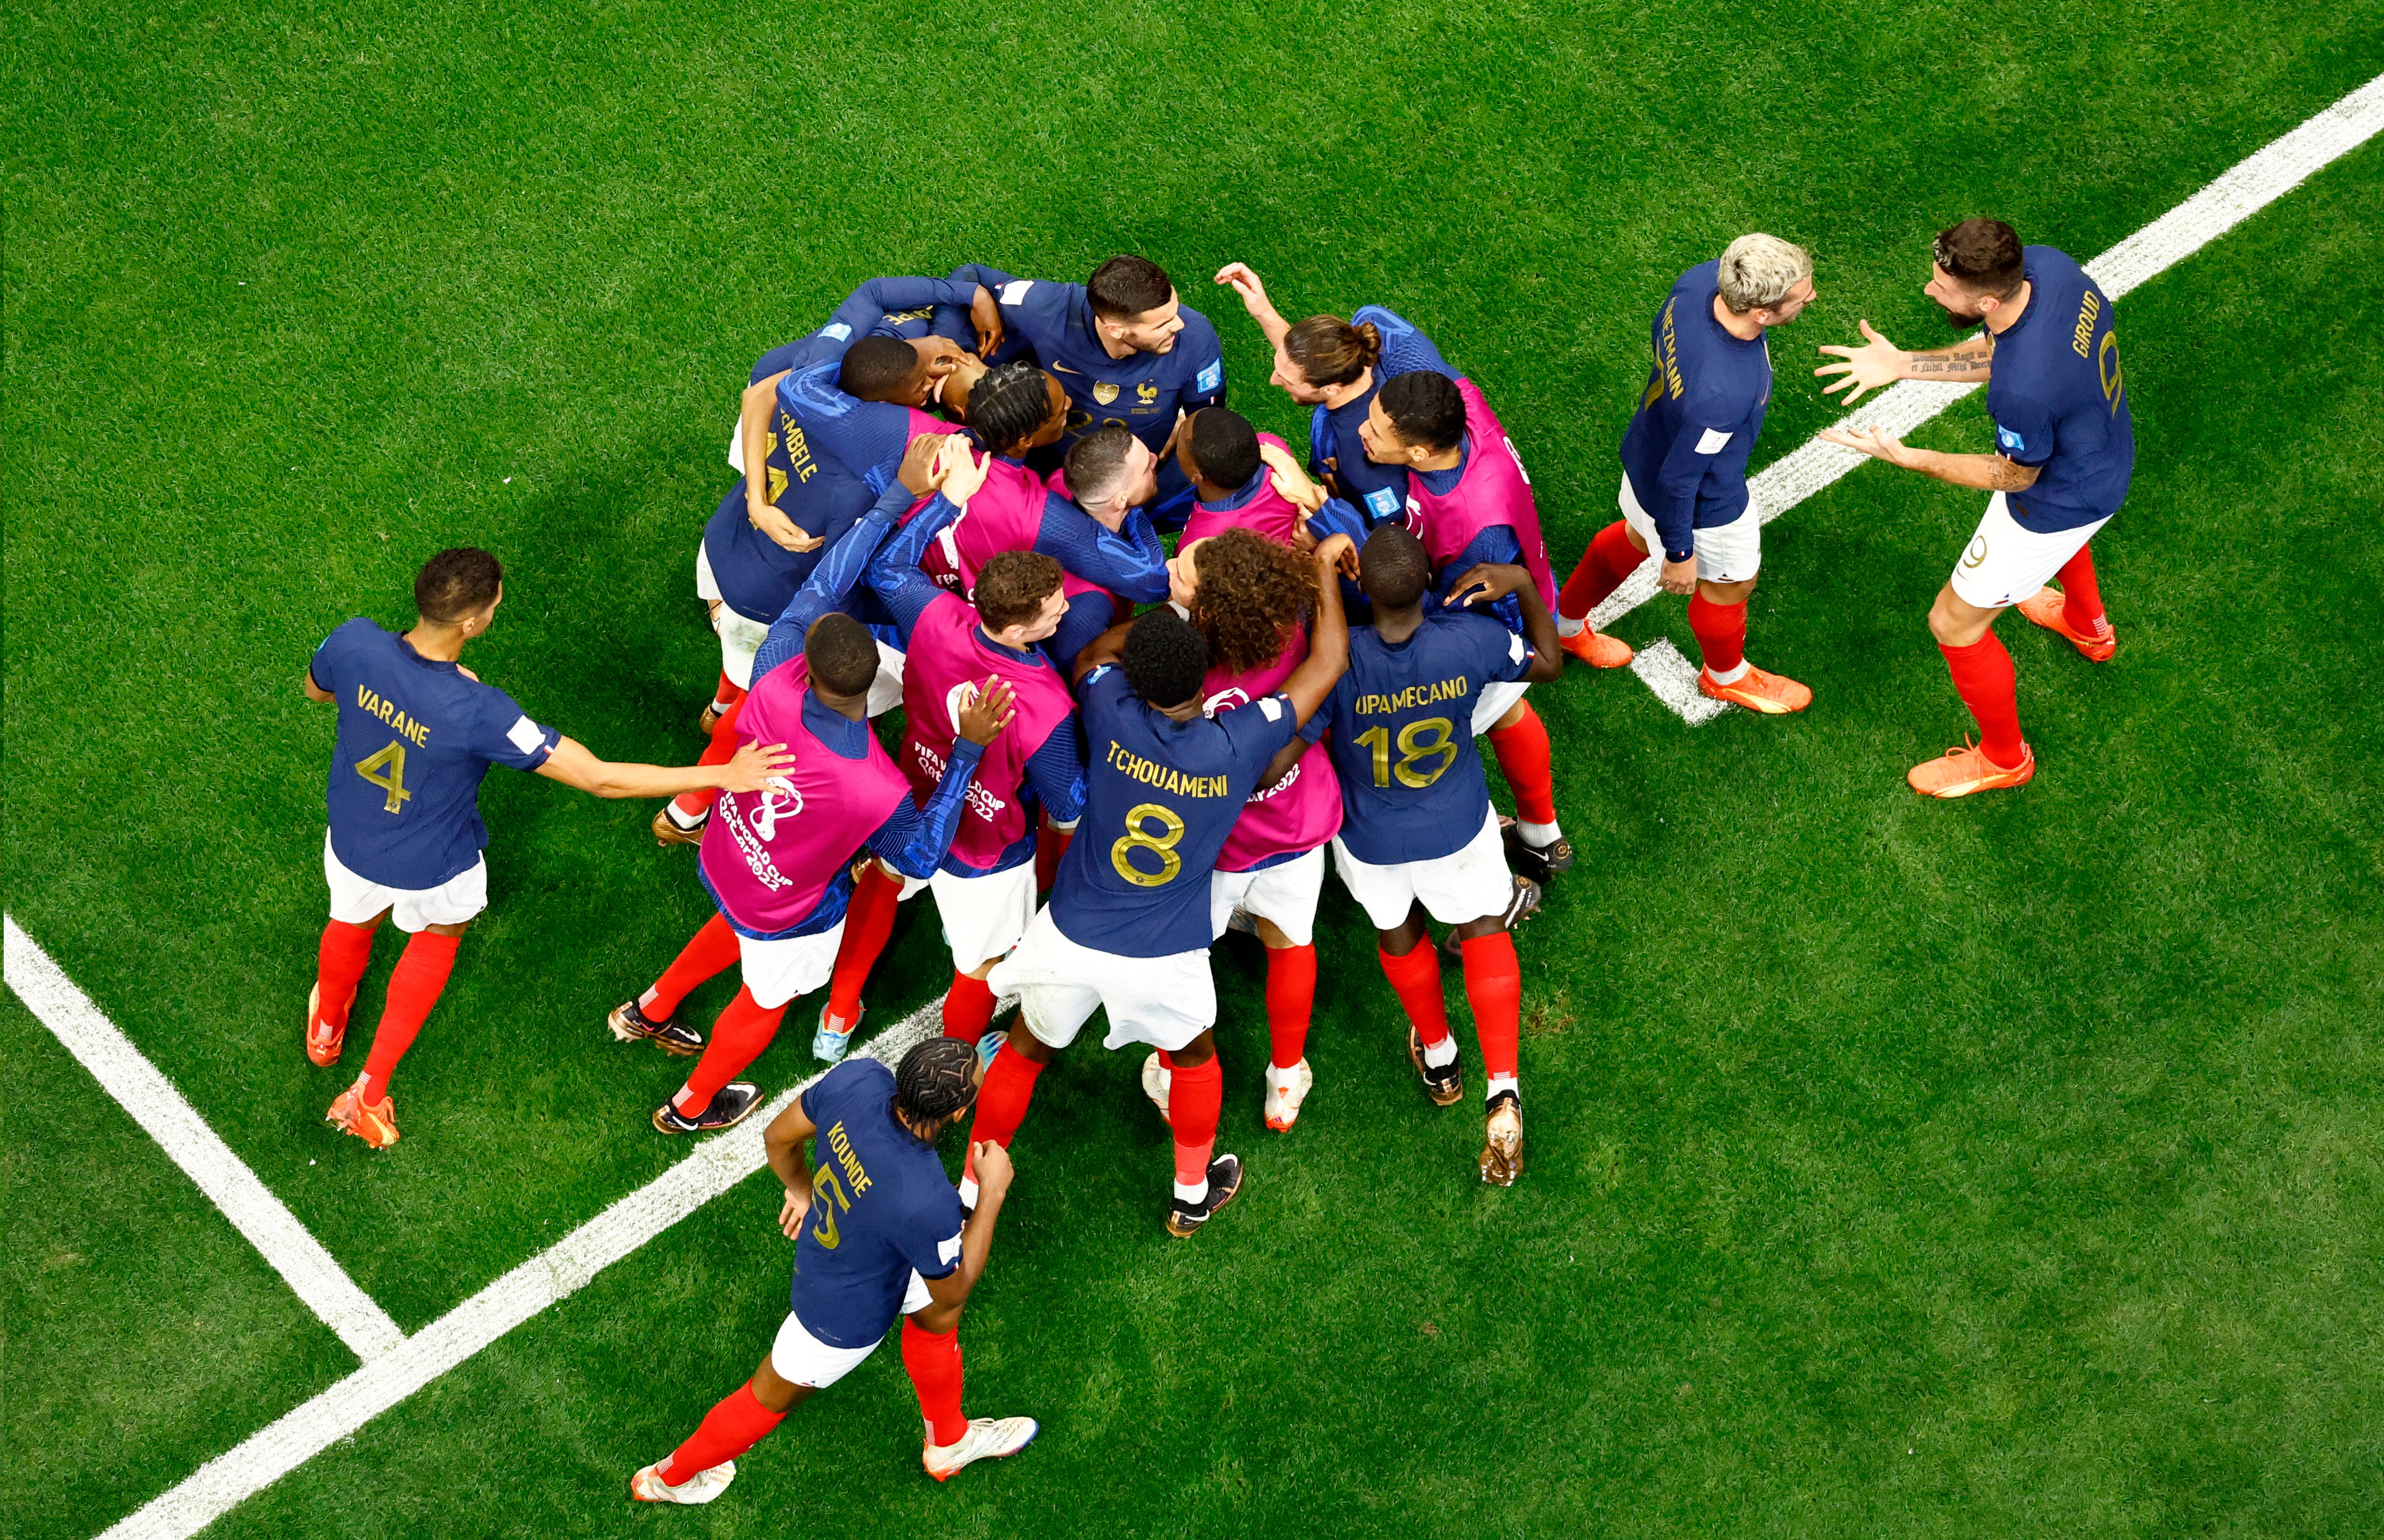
(930, 1235)
(1056, 770)
(1683, 472)
(1258, 732)
(1338, 518)
(915, 838)
(867, 436)
(2024, 431)
(894, 574)
(1203, 363)
(1404, 349)
(1498, 656)
(839, 567)
(1131, 562)
(503, 734)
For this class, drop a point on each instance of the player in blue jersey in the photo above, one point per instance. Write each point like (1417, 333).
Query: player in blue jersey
(418, 731)
(1684, 469)
(1337, 368)
(1418, 835)
(1127, 349)
(1128, 926)
(878, 1233)
(2065, 448)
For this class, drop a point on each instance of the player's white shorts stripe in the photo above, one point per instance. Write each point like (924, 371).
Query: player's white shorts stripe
(983, 916)
(1726, 552)
(1469, 884)
(1165, 1002)
(356, 900)
(803, 1358)
(2003, 562)
(1283, 894)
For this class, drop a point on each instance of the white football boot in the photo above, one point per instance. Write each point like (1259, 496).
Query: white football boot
(987, 1438)
(1155, 1083)
(1285, 1091)
(648, 1485)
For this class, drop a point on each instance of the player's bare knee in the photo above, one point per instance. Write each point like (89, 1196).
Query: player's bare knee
(936, 1319)
(1199, 1051)
(1727, 594)
(1027, 1046)
(1513, 717)
(774, 1390)
(458, 928)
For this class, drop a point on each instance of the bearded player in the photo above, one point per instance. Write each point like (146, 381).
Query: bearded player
(1418, 835)
(2065, 449)
(878, 1233)
(1684, 469)
(418, 731)
(1128, 926)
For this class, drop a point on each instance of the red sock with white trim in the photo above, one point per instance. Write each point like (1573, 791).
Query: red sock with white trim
(2082, 596)
(933, 1361)
(1415, 978)
(1195, 1097)
(1523, 759)
(413, 987)
(340, 963)
(711, 951)
(690, 807)
(726, 694)
(868, 921)
(1722, 637)
(1494, 987)
(743, 1030)
(1602, 568)
(1291, 1001)
(738, 1423)
(968, 1008)
(1982, 674)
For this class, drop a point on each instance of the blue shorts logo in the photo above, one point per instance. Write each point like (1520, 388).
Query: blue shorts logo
(1381, 503)
(1210, 376)
(2009, 442)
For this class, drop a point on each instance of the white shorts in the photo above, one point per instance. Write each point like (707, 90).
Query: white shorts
(1469, 884)
(983, 916)
(1726, 554)
(356, 900)
(740, 639)
(1494, 702)
(803, 1358)
(776, 972)
(2003, 564)
(1283, 894)
(1164, 1001)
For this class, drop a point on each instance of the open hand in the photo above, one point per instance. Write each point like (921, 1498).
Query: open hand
(1875, 363)
(958, 473)
(791, 1212)
(988, 709)
(1877, 442)
(780, 528)
(921, 458)
(755, 765)
(1488, 583)
(1290, 480)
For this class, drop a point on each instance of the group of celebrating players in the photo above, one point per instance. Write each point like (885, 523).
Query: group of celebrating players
(951, 500)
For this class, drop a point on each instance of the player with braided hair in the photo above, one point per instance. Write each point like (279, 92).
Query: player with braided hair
(1249, 598)
(878, 1231)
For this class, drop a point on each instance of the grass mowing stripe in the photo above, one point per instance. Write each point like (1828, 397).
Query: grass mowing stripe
(718, 1164)
(157, 1107)
(2249, 186)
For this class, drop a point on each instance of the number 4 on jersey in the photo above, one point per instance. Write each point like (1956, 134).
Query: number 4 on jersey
(387, 770)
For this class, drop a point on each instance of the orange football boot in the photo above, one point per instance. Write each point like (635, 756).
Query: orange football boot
(1596, 648)
(1958, 772)
(1772, 694)
(2048, 609)
(376, 1123)
(323, 1039)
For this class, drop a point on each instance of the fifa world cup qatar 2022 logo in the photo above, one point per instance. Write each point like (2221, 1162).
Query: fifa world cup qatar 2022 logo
(780, 798)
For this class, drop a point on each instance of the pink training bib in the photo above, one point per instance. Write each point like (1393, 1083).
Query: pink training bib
(1493, 490)
(1268, 512)
(949, 653)
(1298, 812)
(1005, 515)
(770, 854)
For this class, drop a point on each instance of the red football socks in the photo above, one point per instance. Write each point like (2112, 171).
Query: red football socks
(2082, 597)
(1522, 751)
(743, 1030)
(1290, 997)
(726, 694)
(1050, 844)
(713, 951)
(1721, 632)
(339, 963)
(1609, 559)
(968, 1008)
(1415, 978)
(1196, 1095)
(720, 750)
(413, 985)
(933, 1361)
(1494, 987)
(1001, 1100)
(738, 1424)
(868, 920)
(1982, 673)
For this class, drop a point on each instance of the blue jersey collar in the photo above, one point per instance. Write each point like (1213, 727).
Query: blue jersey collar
(1241, 499)
(845, 738)
(1440, 483)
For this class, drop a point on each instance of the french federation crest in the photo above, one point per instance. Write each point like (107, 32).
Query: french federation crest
(1105, 392)
(1145, 393)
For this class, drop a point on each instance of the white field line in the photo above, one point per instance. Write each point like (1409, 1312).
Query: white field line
(2252, 184)
(717, 1164)
(720, 1162)
(157, 1107)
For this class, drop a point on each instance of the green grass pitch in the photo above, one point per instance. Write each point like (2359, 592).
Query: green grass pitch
(1896, 1168)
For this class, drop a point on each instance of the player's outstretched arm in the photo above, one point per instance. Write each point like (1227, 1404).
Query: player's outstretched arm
(1328, 640)
(747, 770)
(1880, 363)
(913, 839)
(1490, 583)
(1987, 473)
(993, 1173)
(783, 1143)
(314, 693)
(1253, 294)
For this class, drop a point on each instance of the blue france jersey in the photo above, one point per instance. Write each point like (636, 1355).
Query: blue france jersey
(1160, 798)
(1144, 390)
(2059, 401)
(1402, 722)
(1334, 447)
(416, 737)
(881, 1209)
(1685, 451)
